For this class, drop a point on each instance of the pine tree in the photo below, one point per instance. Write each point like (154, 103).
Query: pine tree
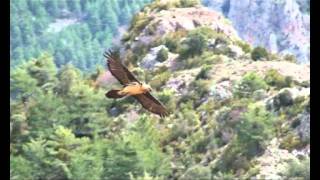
(52, 8)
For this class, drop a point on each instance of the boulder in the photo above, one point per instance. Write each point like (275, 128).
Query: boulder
(286, 97)
(222, 91)
(235, 51)
(150, 61)
(303, 129)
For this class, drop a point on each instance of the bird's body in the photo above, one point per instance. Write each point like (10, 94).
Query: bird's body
(131, 86)
(134, 89)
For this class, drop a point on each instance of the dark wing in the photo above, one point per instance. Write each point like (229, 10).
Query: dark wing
(119, 71)
(152, 104)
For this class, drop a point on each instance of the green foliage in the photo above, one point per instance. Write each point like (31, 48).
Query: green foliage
(81, 43)
(256, 127)
(167, 97)
(298, 169)
(146, 176)
(244, 46)
(136, 151)
(259, 53)
(204, 73)
(189, 3)
(162, 55)
(224, 176)
(193, 45)
(63, 127)
(21, 83)
(196, 42)
(172, 40)
(20, 168)
(145, 139)
(197, 172)
(139, 21)
(291, 141)
(248, 84)
(274, 78)
(159, 80)
(290, 58)
(159, 5)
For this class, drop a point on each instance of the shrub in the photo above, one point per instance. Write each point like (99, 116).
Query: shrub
(209, 57)
(204, 73)
(193, 45)
(259, 53)
(162, 55)
(160, 80)
(189, 3)
(167, 97)
(196, 41)
(298, 169)
(139, 21)
(290, 58)
(197, 172)
(274, 78)
(201, 87)
(290, 142)
(20, 168)
(244, 46)
(172, 40)
(248, 84)
(224, 176)
(255, 128)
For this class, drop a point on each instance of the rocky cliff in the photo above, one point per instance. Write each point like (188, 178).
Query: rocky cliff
(231, 115)
(279, 25)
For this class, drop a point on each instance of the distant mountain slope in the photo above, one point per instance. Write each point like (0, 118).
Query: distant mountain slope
(75, 32)
(280, 25)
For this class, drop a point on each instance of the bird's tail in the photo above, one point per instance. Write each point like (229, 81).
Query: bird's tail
(114, 94)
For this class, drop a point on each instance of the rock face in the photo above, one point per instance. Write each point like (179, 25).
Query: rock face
(184, 19)
(303, 129)
(273, 162)
(222, 91)
(229, 66)
(183, 79)
(281, 25)
(150, 60)
(286, 97)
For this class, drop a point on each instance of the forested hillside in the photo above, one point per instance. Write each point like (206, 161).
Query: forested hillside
(75, 31)
(235, 111)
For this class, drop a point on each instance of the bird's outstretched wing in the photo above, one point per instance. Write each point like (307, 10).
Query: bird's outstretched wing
(119, 71)
(152, 104)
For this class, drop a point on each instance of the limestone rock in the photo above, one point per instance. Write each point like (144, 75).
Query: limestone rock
(222, 91)
(150, 60)
(282, 26)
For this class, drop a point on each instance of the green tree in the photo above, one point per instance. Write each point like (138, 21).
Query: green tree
(52, 8)
(43, 69)
(194, 44)
(259, 53)
(255, 129)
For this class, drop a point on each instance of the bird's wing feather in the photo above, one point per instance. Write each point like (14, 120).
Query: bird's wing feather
(119, 71)
(152, 104)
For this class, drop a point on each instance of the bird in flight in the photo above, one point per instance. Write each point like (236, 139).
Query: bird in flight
(131, 86)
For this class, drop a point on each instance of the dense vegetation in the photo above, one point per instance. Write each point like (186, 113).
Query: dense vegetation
(76, 31)
(63, 127)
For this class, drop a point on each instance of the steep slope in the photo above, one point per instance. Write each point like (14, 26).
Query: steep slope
(236, 111)
(280, 26)
(224, 74)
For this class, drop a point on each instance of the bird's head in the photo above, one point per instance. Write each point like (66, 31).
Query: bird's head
(146, 87)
